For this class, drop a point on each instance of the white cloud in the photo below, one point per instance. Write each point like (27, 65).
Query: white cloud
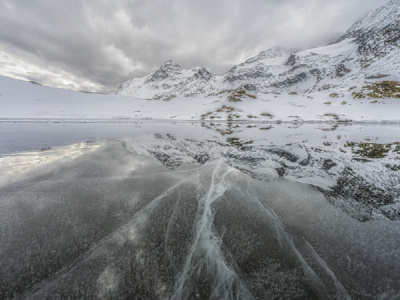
(17, 68)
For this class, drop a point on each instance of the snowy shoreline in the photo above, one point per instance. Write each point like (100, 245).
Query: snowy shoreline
(26, 102)
(146, 120)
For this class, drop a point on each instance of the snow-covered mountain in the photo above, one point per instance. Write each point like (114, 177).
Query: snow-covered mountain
(170, 79)
(368, 50)
(375, 20)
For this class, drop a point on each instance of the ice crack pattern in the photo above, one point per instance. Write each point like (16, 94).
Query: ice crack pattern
(111, 224)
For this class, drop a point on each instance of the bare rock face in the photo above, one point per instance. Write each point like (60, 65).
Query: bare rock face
(377, 44)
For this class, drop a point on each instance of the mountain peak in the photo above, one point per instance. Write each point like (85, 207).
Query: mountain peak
(170, 64)
(167, 69)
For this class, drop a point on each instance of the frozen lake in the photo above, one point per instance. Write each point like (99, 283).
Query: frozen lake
(161, 210)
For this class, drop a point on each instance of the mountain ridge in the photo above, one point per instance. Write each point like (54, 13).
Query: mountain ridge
(369, 49)
(374, 20)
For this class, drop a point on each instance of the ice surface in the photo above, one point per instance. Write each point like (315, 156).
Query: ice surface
(101, 221)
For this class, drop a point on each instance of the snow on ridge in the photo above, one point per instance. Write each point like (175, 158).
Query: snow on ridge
(341, 65)
(375, 20)
(170, 79)
(272, 53)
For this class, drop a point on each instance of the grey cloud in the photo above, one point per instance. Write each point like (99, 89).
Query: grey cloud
(106, 42)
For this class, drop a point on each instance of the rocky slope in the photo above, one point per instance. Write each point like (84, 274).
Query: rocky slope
(367, 51)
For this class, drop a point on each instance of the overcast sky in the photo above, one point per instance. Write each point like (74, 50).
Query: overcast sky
(96, 45)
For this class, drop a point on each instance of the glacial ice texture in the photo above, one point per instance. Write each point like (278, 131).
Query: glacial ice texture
(111, 224)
